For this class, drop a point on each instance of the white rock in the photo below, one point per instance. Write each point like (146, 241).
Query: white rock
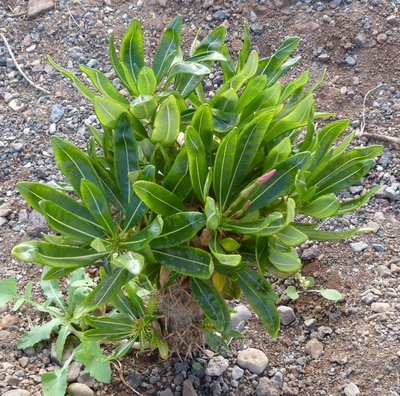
(380, 307)
(78, 389)
(16, 105)
(17, 392)
(254, 360)
(241, 316)
(314, 348)
(237, 373)
(358, 246)
(217, 366)
(286, 314)
(351, 390)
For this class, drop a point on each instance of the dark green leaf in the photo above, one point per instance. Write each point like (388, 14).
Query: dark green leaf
(145, 236)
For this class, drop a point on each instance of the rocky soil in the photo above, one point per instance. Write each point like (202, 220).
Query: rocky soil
(324, 348)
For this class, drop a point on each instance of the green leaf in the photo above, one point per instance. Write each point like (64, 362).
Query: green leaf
(133, 262)
(51, 289)
(207, 56)
(103, 84)
(296, 118)
(231, 260)
(70, 224)
(55, 383)
(166, 122)
(38, 333)
(63, 333)
(202, 122)
(223, 166)
(229, 244)
(320, 235)
(86, 91)
(248, 143)
(248, 71)
(213, 41)
(292, 293)
(106, 290)
(74, 164)
(280, 183)
(178, 179)
(291, 236)
(144, 107)
(213, 214)
(8, 290)
(95, 200)
(146, 81)
(179, 228)
(277, 154)
(261, 297)
(120, 351)
(192, 68)
(169, 47)
(132, 52)
(107, 111)
(186, 260)
(322, 207)
(140, 240)
(285, 259)
(158, 199)
(90, 355)
(244, 52)
(197, 161)
(330, 294)
(212, 303)
(253, 88)
(110, 328)
(126, 157)
(56, 273)
(353, 204)
(255, 227)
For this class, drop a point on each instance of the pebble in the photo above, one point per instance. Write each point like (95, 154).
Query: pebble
(355, 189)
(358, 246)
(286, 315)
(267, 387)
(351, 390)
(237, 373)
(314, 348)
(86, 379)
(310, 253)
(23, 361)
(78, 389)
(37, 7)
(74, 370)
(16, 105)
(217, 366)
(57, 112)
(380, 307)
(381, 38)
(241, 316)
(166, 392)
(188, 389)
(310, 323)
(8, 97)
(350, 61)
(17, 392)
(254, 360)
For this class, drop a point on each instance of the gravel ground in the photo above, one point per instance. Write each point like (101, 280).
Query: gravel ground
(325, 348)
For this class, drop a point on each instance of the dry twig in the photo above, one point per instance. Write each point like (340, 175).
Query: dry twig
(118, 368)
(364, 108)
(20, 69)
(72, 17)
(384, 138)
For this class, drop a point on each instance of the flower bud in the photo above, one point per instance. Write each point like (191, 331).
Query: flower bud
(265, 177)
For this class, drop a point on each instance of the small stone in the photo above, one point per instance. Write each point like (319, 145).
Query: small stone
(378, 247)
(240, 317)
(380, 307)
(86, 379)
(369, 298)
(23, 361)
(31, 48)
(286, 314)
(188, 389)
(237, 373)
(78, 389)
(381, 38)
(314, 348)
(166, 392)
(310, 253)
(358, 246)
(236, 45)
(8, 97)
(57, 112)
(256, 28)
(310, 323)
(16, 105)
(254, 360)
(37, 7)
(393, 20)
(3, 221)
(5, 209)
(74, 370)
(355, 189)
(92, 63)
(134, 378)
(17, 392)
(339, 359)
(360, 39)
(267, 387)
(162, 3)
(18, 147)
(390, 193)
(324, 58)
(351, 390)
(221, 14)
(217, 366)
(253, 16)
(350, 61)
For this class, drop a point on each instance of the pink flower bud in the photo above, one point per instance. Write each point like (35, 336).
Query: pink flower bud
(265, 177)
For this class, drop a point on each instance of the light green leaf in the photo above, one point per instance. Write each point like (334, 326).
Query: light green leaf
(8, 290)
(192, 68)
(330, 294)
(132, 52)
(63, 333)
(213, 214)
(108, 111)
(277, 154)
(212, 303)
(285, 259)
(51, 289)
(292, 293)
(178, 229)
(104, 85)
(166, 122)
(140, 240)
(291, 236)
(320, 235)
(158, 199)
(90, 355)
(121, 350)
(186, 260)
(248, 71)
(169, 47)
(353, 204)
(322, 207)
(146, 81)
(202, 122)
(55, 383)
(38, 333)
(231, 260)
(253, 88)
(133, 262)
